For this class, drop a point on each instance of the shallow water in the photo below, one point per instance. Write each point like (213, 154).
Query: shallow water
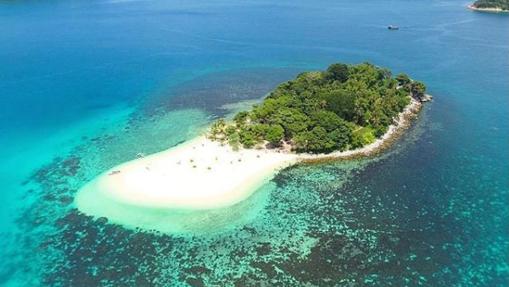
(85, 85)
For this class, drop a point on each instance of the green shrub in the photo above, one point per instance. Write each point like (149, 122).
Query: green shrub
(362, 137)
(346, 106)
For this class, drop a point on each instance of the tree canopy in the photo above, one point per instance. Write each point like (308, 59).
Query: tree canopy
(344, 107)
(501, 4)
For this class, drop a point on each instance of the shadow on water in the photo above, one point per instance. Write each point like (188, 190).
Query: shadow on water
(212, 92)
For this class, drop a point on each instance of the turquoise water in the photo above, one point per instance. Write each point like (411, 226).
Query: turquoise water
(85, 85)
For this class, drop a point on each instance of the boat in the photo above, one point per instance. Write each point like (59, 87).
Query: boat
(392, 27)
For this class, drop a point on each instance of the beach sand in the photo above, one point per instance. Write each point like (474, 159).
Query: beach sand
(201, 174)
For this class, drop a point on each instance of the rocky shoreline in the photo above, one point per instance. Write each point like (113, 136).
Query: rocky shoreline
(395, 131)
(487, 10)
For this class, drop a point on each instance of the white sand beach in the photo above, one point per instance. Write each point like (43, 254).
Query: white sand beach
(199, 174)
(202, 174)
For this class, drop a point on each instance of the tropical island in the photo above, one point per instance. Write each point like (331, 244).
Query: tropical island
(342, 108)
(343, 112)
(490, 6)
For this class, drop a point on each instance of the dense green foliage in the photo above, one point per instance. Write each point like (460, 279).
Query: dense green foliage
(502, 4)
(344, 107)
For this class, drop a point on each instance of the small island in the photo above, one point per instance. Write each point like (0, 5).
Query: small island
(343, 108)
(494, 6)
(343, 112)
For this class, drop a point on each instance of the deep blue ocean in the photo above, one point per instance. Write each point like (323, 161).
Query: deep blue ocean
(86, 85)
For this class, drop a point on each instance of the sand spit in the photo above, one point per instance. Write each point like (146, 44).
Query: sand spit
(202, 174)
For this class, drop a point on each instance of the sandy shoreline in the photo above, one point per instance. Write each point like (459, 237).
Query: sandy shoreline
(198, 174)
(202, 174)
